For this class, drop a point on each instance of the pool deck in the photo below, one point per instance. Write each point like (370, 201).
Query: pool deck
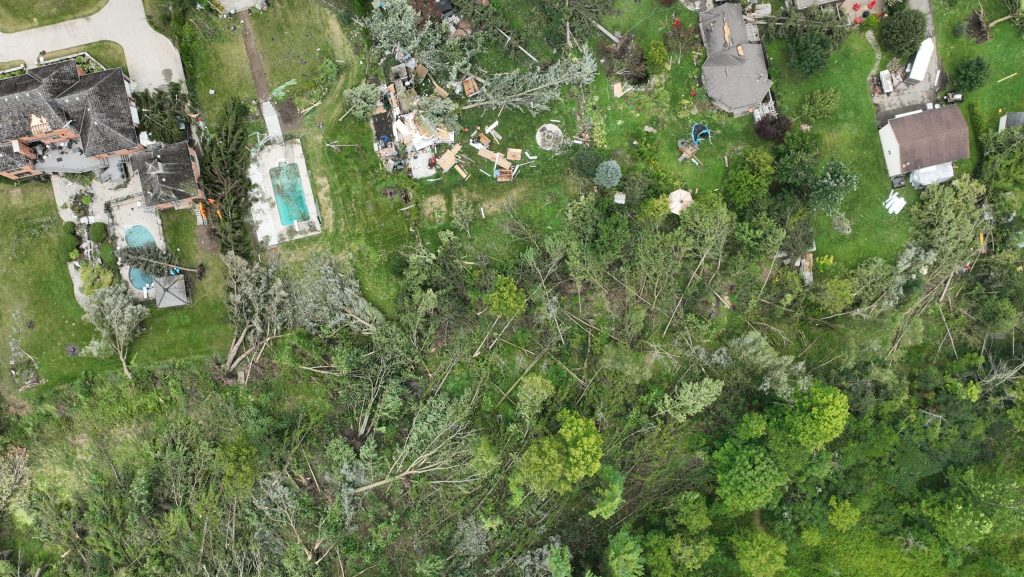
(269, 228)
(126, 207)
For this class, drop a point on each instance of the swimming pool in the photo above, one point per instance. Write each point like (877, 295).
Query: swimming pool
(291, 200)
(137, 236)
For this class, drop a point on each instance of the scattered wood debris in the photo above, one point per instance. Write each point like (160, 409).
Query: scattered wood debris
(447, 160)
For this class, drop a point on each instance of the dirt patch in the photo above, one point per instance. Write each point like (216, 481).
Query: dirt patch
(323, 199)
(436, 207)
(259, 72)
(288, 113)
(511, 197)
(206, 239)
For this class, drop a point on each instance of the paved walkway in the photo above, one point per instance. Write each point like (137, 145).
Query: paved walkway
(153, 60)
(926, 7)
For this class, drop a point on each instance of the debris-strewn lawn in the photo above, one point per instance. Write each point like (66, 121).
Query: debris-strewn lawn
(851, 136)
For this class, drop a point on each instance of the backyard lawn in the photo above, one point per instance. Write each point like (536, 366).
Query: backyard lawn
(221, 66)
(851, 136)
(18, 15)
(292, 49)
(109, 54)
(1004, 53)
(39, 309)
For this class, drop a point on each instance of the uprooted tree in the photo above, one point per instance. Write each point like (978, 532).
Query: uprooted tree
(259, 309)
(532, 90)
(151, 260)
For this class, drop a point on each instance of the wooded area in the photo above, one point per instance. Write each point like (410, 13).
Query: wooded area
(559, 385)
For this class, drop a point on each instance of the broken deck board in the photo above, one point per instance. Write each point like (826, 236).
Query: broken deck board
(447, 160)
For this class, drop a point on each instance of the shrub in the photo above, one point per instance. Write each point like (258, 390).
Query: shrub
(73, 255)
(656, 57)
(585, 161)
(95, 277)
(971, 73)
(108, 256)
(69, 228)
(608, 174)
(819, 104)
(98, 232)
(902, 32)
(68, 244)
(773, 128)
(809, 51)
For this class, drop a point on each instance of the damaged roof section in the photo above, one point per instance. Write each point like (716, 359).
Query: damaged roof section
(168, 174)
(735, 74)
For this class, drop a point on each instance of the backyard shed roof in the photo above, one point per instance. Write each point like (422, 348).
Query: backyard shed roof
(1011, 120)
(925, 139)
(170, 291)
(734, 74)
(168, 173)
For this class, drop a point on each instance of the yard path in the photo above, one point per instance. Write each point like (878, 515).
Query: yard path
(259, 79)
(870, 37)
(153, 61)
(926, 7)
(259, 72)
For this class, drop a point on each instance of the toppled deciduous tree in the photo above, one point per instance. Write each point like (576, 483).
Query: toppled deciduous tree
(117, 318)
(259, 308)
(532, 90)
(328, 299)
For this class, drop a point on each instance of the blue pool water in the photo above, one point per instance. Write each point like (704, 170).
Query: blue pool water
(291, 200)
(139, 279)
(135, 237)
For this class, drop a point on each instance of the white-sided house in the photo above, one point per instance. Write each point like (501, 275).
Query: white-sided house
(919, 70)
(925, 143)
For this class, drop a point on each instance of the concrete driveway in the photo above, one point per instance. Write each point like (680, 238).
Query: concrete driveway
(153, 61)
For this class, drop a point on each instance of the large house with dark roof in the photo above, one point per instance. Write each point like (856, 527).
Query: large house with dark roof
(56, 119)
(735, 74)
(925, 144)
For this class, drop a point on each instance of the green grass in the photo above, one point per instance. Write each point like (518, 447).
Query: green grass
(851, 136)
(36, 288)
(16, 15)
(1004, 53)
(37, 291)
(199, 330)
(294, 48)
(221, 66)
(109, 54)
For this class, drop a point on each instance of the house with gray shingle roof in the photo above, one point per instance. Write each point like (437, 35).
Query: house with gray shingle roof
(168, 175)
(735, 74)
(56, 119)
